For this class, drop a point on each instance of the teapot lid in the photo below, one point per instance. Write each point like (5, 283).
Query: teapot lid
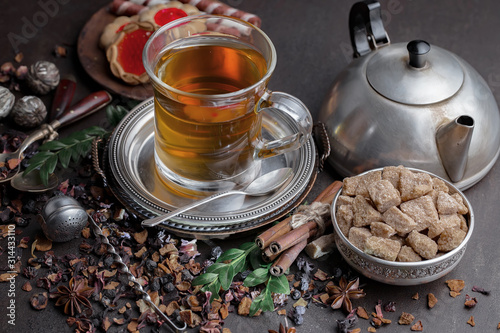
(419, 75)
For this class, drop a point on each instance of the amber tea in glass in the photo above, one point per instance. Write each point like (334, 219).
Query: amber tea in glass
(210, 76)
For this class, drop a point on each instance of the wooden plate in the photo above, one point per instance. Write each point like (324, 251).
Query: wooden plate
(94, 61)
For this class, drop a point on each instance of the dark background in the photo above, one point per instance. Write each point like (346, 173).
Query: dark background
(312, 42)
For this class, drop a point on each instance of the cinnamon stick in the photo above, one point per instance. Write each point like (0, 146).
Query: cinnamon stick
(268, 256)
(287, 258)
(277, 230)
(282, 228)
(293, 237)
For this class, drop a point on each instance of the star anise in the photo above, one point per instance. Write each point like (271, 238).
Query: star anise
(77, 294)
(341, 295)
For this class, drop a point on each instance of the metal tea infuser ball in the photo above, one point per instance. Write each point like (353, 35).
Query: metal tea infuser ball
(63, 218)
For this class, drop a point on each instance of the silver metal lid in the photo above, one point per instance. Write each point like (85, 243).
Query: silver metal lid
(393, 71)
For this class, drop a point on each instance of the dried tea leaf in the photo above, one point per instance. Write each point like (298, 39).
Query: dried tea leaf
(183, 286)
(111, 285)
(471, 321)
(171, 307)
(320, 275)
(455, 285)
(361, 312)
(120, 321)
(454, 294)
(86, 232)
(431, 300)
(139, 253)
(132, 326)
(417, 326)
(27, 286)
(42, 243)
(406, 318)
(39, 301)
(371, 329)
(7, 276)
(224, 311)
(106, 324)
(415, 296)
(141, 237)
(300, 302)
(244, 306)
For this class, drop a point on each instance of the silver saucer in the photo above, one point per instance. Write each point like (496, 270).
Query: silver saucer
(131, 172)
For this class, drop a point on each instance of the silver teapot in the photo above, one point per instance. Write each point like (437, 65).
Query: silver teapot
(409, 103)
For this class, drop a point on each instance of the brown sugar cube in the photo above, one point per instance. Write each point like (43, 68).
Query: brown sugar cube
(422, 211)
(406, 318)
(384, 248)
(406, 254)
(345, 216)
(358, 237)
(364, 213)
(446, 204)
(400, 239)
(439, 185)
(350, 184)
(366, 180)
(402, 223)
(463, 223)
(450, 239)
(435, 230)
(414, 185)
(384, 195)
(381, 229)
(392, 174)
(423, 245)
(462, 208)
(344, 200)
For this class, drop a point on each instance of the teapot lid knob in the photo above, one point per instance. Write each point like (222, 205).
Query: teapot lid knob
(418, 50)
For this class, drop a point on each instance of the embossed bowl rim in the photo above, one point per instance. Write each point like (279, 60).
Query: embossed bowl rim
(407, 265)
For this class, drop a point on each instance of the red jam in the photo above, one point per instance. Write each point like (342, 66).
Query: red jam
(167, 15)
(121, 28)
(130, 51)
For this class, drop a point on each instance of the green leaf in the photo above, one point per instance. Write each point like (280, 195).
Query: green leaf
(226, 276)
(215, 268)
(37, 161)
(230, 254)
(248, 246)
(52, 145)
(95, 131)
(262, 302)
(255, 259)
(204, 279)
(65, 157)
(256, 277)
(240, 264)
(214, 288)
(278, 284)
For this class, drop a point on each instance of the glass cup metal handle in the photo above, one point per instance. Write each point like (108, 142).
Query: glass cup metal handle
(291, 109)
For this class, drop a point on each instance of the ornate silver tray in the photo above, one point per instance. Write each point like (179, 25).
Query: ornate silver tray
(130, 172)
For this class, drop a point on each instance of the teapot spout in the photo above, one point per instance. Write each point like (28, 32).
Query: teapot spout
(453, 141)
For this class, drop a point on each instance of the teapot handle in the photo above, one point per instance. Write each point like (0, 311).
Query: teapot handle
(366, 27)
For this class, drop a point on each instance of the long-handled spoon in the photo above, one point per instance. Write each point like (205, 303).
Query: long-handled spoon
(262, 185)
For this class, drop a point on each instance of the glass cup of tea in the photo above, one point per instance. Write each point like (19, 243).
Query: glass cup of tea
(209, 75)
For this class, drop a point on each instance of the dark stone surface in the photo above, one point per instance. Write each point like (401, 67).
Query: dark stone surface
(312, 42)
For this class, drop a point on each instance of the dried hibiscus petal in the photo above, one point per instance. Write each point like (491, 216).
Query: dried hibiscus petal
(470, 302)
(480, 290)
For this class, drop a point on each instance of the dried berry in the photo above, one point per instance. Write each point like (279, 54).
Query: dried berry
(43, 76)
(6, 102)
(29, 112)
(480, 290)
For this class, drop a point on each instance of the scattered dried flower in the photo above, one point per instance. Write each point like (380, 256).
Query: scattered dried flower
(39, 301)
(361, 312)
(480, 290)
(471, 321)
(455, 286)
(470, 302)
(415, 296)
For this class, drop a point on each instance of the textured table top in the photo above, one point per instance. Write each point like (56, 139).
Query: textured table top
(313, 46)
